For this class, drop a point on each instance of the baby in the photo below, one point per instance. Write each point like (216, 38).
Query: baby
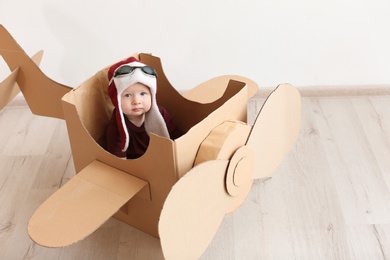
(132, 88)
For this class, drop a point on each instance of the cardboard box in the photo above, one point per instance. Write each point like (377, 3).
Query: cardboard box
(179, 190)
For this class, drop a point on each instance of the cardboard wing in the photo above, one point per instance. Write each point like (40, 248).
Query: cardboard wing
(82, 205)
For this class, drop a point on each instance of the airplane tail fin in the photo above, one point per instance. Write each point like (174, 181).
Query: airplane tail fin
(9, 87)
(42, 94)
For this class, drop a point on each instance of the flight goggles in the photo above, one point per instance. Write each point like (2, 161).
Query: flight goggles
(127, 69)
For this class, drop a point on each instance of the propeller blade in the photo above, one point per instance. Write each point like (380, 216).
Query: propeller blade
(193, 211)
(276, 129)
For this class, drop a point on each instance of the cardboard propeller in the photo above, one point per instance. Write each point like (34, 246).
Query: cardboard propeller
(226, 163)
(179, 190)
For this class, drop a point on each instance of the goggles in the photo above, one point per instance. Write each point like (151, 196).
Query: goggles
(127, 69)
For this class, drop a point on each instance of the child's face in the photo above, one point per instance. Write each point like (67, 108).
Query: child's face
(136, 100)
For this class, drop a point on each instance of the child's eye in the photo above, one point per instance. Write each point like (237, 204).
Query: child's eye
(127, 95)
(143, 93)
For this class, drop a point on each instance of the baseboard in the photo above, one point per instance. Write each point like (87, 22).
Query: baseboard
(333, 91)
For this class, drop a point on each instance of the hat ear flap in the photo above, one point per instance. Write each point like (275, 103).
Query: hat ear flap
(120, 119)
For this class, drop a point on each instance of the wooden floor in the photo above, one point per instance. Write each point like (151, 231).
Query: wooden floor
(329, 199)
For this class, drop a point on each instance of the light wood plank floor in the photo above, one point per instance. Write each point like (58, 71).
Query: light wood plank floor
(329, 199)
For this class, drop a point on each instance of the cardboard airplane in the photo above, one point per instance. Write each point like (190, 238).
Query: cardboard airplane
(179, 190)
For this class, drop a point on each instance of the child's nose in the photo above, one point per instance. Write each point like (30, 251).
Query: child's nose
(136, 100)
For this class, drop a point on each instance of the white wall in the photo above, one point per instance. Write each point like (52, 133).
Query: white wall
(303, 42)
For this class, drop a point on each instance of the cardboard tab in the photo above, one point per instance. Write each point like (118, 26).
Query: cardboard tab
(276, 129)
(82, 205)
